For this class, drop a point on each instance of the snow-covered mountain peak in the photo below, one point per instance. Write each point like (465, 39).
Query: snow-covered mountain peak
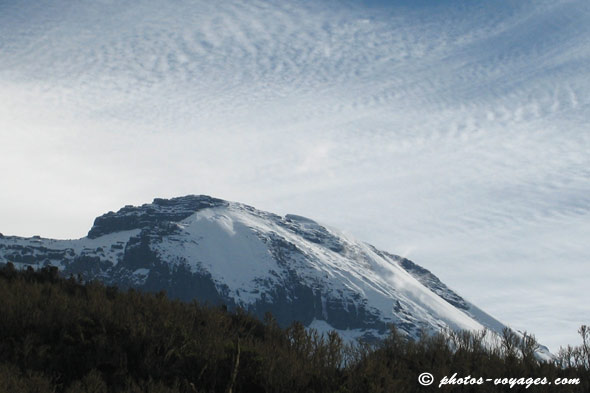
(226, 252)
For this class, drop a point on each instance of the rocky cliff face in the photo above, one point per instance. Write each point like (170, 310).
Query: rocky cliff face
(153, 214)
(219, 252)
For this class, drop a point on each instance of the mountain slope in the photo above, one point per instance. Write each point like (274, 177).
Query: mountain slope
(225, 252)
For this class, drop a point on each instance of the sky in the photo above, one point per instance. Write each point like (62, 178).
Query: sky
(454, 133)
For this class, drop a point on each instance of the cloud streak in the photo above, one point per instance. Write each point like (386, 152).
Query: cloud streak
(455, 132)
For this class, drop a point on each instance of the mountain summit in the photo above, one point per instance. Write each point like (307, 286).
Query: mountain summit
(220, 252)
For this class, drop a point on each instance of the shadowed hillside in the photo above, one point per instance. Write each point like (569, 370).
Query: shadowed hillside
(61, 335)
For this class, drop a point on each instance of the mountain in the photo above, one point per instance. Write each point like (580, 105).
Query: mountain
(220, 252)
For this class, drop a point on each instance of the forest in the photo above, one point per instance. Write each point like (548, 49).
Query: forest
(63, 335)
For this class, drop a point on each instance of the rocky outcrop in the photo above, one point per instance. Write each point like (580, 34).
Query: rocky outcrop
(155, 213)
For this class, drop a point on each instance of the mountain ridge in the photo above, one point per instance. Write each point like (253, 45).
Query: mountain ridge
(221, 252)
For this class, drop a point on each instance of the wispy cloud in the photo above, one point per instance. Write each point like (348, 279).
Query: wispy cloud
(455, 133)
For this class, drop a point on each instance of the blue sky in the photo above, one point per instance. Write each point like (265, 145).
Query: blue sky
(454, 133)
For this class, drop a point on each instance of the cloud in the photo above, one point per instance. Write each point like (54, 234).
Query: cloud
(456, 133)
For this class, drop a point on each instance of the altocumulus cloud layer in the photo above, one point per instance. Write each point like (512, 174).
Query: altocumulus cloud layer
(452, 132)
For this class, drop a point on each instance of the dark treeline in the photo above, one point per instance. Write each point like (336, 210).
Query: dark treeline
(59, 335)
